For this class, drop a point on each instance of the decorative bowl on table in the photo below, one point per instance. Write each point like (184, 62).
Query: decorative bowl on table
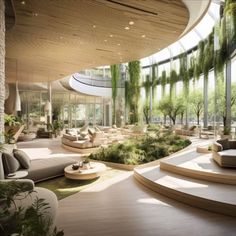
(75, 166)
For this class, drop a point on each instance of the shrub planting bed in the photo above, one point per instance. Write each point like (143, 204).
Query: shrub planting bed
(142, 150)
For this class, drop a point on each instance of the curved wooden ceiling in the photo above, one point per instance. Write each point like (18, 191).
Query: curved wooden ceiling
(52, 39)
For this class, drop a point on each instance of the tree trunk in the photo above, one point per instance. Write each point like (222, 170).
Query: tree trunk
(173, 119)
(2, 68)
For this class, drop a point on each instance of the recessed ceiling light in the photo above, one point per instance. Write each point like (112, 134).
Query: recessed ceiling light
(131, 23)
(94, 26)
(143, 36)
(105, 40)
(118, 44)
(22, 2)
(111, 35)
(126, 28)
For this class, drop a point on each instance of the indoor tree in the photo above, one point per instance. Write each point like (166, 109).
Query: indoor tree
(221, 101)
(172, 108)
(196, 104)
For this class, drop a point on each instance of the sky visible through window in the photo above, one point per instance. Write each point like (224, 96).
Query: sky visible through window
(201, 31)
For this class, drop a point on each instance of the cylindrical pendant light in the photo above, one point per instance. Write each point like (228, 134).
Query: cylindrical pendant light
(18, 102)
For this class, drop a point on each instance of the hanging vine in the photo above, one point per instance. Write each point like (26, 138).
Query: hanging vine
(183, 72)
(173, 79)
(147, 84)
(208, 55)
(115, 74)
(134, 89)
(199, 59)
(154, 79)
(163, 81)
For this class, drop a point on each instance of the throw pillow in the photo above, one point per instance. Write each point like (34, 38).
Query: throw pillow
(224, 143)
(22, 157)
(10, 163)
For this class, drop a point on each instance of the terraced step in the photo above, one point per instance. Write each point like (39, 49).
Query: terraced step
(199, 166)
(215, 197)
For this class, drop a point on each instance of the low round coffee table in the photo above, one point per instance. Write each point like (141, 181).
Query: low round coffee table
(92, 172)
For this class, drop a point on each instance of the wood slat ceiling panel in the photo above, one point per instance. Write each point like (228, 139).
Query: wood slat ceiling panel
(60, 37)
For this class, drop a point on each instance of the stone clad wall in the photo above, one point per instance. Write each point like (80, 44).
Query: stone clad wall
(2, 68)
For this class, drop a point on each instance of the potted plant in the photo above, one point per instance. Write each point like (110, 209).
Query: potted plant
(57, 127)
(9, 136)
(11, 122)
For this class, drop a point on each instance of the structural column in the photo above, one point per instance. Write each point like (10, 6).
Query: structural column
(205, 95)
(2, 68)
(228, 94)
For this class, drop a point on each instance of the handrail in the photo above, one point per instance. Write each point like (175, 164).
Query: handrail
(95, 82)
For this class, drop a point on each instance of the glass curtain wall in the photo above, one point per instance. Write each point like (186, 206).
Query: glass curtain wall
(73, 109)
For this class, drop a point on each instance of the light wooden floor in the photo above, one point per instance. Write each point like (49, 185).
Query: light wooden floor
(124, 207)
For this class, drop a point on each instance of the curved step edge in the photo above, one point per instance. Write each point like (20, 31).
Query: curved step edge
(195, 201)
(197, 174)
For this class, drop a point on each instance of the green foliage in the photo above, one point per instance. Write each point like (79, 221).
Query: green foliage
(143, 150)
(221, 100)
(9, 136)
(208, 55)
(30, 221)
(196, 103)
(134, 90)
(172, 108)
(57, 126)
(226, 130)
(227, 35)
(127, 94)
(163, 82)
(154, 80)
(191, 67)
(146, 112)
(183, 72)
(230, 15)
(11, 120)
(147, 86)
(115, 75)
(199, 59)
(173, 80)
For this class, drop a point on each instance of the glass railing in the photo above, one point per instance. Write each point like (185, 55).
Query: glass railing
(96, 81)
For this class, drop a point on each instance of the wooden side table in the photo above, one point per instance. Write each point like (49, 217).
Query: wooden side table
(92, 172)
